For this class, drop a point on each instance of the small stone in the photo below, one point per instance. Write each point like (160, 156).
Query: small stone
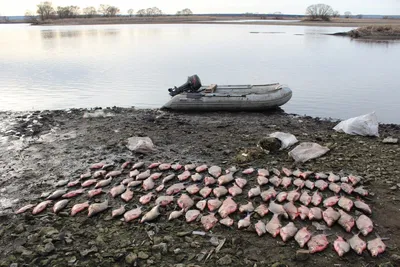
(390, 140)
(302, 255)
(14, 264)
(48, 231)
(188, 239)
(181, 234)
(278, 264)
(395, 257)
(168, 239)
(162, 247)
(72, 260)
(386, 264)
(19, 228)
(142, 255)
(131, 258)
(177, 251)
(157, 240)
(49, 247)
(214, 241)
(393, 187)
(225, 260)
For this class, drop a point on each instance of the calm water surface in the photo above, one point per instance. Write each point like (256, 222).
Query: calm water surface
(133, 65)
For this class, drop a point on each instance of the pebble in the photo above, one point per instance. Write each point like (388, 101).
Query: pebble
(131, 258)
(19, 228)
(225, 260)
(162, 247)
(142, 255)
(14, 264)
(168, 239)
(390, 140)
(395, 257)
(302, 255)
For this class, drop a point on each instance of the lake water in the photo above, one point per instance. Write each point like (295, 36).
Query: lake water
(133, 65)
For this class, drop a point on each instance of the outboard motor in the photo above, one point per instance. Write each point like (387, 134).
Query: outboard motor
(192, 85)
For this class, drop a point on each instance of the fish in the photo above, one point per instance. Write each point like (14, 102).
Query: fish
(288, 231)
(240, 182)
(345, 203)
(201, 205)
(346, 221)
(299, 183)
(361, 191)
(354, 179)
(334, 188)
(276, 181)
(108, 167)
(134, 173)
(151, 215)
(225, 179)
(175, 188)
(376, 246)
(346, 188)
(277, 209)
(245, 222)
(305, 198)
(310, 185)
(293, 195)
(164, 167)
(296, 173)
(316, 198)
(364, 224)
(209, 180)
(193, 189)
(126, 181)
(262, 210)
(132, 214)
(143, 175)
(57, 194)
(253, 192)
(228, 207)
(97, 208)
(333, 178)
(214, 204)
(247, 208)
(113, 174)
(168, 178)
(145, 199)
(175, 214)
(134, 183)
(205, 191)
(118, 212)
(25, 208)
(215, 171)
(268, 194)
(208, 221)
(100, 173)
(286, 171)
(263, 172)
(197, 177)
(341, 246)
(190, 167)
(281, 196)
(361, 205)
(74, 193)
(357, 244)
(96, 166)
(273, 227)
(306, 174)
(321, 175)
(291, 210)
(94, 192)
(164, 200)
(185, 202)
(331, 201)
(127, 195)
(89, 182)
(137, 165)
(261, 180)
(79, 207)
(103, 183)
(60, 205)
(74, 183)
(286, 182)
(321, 185)
(226, 221)
(184, 176)
(176, 167)
(62, 183)
(315, 214)
(117, 190)
(155, 175)
(260, 228)
(192, 215)
(126, 164)
(220, 191)
(330, 216)
(248, 171)
(154, 165)
(235, 190)
(201, 168)
(317, 243)
(148, 184)
(302, 236)
(303, 212)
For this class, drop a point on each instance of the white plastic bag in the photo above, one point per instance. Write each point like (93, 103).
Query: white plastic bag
(140, 144)
(306, 151)
(366, 125)
(286, 139)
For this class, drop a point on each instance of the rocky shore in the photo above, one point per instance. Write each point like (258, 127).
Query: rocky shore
(38, 149)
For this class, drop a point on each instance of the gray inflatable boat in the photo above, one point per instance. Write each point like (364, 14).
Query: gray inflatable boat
(231, 97)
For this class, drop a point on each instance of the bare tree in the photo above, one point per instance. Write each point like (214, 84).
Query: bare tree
(68, 11)
(45, 10)
(187, 12)
(103, 9)
(336, 14)
(130, 12)
(30, 17)
(89, 11)
(277, 15)
(141, 13)
(179, 13)
(347, 14)
(112, 11)
(156, 11)
(319, 11)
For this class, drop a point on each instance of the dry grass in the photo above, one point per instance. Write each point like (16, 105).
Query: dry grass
(373, 31)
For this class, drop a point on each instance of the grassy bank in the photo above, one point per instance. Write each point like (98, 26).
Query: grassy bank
(376, 32)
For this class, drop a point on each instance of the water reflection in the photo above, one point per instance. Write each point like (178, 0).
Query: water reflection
(373, 43)
(48, 34)
(70, 34)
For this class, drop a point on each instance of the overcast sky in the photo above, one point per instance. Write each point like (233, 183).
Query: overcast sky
(383, 7)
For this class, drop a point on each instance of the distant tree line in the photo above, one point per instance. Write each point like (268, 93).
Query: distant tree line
(326, 12)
